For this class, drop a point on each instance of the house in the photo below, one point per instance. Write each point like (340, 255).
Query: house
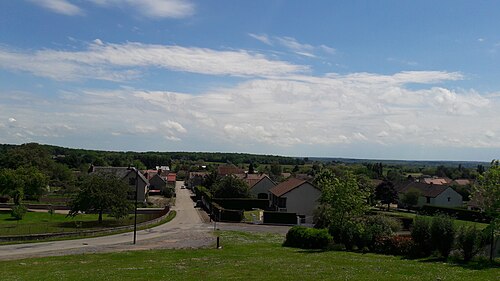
(156, 184)
(431, 194)
(295, 196)
(196, 178)
(128, 174)
(437, 181)
(171, 178)
(260, 186)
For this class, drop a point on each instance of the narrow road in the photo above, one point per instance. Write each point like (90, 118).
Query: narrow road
(186, 230)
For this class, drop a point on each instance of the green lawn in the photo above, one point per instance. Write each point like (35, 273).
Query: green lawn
(35, 222)
(458, 223)
(243, 257)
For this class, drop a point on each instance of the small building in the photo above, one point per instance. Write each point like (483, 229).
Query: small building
(295, 196)
(435, 195)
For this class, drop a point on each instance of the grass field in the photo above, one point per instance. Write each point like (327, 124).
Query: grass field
(243, 257)
(458, 223)
(43, 222)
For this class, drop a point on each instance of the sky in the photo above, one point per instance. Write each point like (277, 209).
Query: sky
(412, 80)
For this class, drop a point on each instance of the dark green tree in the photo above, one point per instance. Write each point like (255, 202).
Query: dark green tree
(230, 187)
(386, 193)
(99, 194)
(12, 184)
(251, 169)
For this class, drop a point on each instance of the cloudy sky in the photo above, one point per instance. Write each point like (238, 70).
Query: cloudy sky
(359, 79)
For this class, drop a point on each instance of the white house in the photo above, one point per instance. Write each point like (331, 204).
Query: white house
(295, 196)
(436, 195)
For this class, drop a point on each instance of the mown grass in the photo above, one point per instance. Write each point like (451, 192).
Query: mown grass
(43, 222)
(458, 223)
(244, 256)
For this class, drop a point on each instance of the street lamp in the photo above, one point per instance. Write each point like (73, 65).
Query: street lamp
(135, 206)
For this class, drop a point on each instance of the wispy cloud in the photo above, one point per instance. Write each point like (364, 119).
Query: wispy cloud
(154, 8)
(59, 6)
(119, 62)
(294, 45)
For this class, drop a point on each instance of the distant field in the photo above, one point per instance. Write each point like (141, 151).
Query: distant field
(243, 257)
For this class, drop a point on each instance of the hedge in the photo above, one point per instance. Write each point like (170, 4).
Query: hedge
(246, 204)
(460, 214)
(307, 238)
(227, 215)
(280, 217)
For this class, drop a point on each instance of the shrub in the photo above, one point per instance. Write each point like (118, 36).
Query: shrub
(421, 234)
(442, 234)
(307, 238)
(395, 245)
(18, 212)
(349, 234)
(470, 241)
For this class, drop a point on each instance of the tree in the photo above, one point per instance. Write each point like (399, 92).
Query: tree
(230, 187)
(100, 193)
(251, 169)
(343, 199)
(410, 198)
(35, 182)
(386, 193)
(12, 184)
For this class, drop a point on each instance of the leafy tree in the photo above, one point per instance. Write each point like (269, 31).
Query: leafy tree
(343, 199)
(251, 169)
(18, 212)
(35, 182)
(386, 193)
(443, 234)
(100, 193)
(410, 198)
(230, 187)
(12, 184)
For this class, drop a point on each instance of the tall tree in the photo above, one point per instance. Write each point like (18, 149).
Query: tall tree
(12, 184)
(342, 199)
(386, 193)
(100, 193)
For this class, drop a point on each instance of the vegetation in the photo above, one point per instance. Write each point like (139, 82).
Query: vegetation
(307, 238)
(240, 258)
(100, 193)
(230, 187)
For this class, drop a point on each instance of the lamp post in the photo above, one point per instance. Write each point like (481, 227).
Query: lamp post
(135, 198)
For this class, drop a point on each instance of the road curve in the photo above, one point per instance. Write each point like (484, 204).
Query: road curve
(186, 230)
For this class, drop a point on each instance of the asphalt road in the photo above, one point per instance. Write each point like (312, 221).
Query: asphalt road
(187, 226)
(186, 230)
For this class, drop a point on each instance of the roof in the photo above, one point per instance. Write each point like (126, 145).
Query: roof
(428, 190)
(462, 182)
(171, 177)
(119, 172)
(436, 181)
(287, 186)
(255, 182)
(231, 169)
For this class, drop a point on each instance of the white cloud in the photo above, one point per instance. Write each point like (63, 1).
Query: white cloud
(154, 8)
(121, 62)
(261, 37)
(59, 6)
(174, 126)
(12, 120)
(294, 45)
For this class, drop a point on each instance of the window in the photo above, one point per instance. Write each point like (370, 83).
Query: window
(428, 200)
(449, 199)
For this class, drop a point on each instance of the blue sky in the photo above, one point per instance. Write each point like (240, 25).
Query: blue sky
(360, 79)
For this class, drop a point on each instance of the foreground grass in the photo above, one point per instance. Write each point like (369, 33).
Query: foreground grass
(243, 257)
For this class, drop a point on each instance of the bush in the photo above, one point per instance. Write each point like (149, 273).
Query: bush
(18, 212)
(421, 235)
(442, 234)
(397, 245)
(470, 241)
(307, 238)
(460, 214)
(349, 234)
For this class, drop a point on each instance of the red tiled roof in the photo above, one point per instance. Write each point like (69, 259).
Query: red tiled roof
(171, 177)
(224, 170)
(438, 181)
(286, 186)
(462, 181)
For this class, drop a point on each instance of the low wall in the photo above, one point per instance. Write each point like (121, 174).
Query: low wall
(42, 236)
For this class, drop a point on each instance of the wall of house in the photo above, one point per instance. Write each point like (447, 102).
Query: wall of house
(141, 187)
(157, 183)
(303, 200)
(442, 199)
(262, 186)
